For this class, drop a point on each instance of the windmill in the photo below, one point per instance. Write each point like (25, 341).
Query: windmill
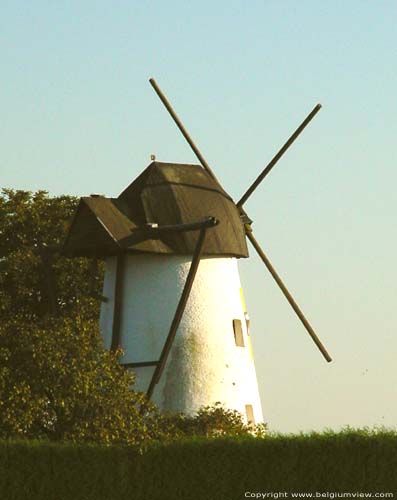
(172, 297)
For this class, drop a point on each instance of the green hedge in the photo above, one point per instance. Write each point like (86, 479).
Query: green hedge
(200, 469)
(226, 469)
(34, 470)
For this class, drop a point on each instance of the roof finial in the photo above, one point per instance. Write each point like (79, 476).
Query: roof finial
(153, 157)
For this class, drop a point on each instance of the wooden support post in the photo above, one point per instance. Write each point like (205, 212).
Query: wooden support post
(118, 301)
(93, 270)
(141, 364)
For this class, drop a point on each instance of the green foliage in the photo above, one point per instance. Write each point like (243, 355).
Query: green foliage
(196, 469)
(227, 468)
(57, 381)
(40, 470)
(209, 422)
(34, 279)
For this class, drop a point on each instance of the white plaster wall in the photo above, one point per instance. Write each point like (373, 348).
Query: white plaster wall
(205, 365)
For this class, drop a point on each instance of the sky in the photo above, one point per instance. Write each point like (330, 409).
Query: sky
(79, 117)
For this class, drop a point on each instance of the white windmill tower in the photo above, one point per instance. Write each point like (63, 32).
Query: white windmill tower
(172, 295)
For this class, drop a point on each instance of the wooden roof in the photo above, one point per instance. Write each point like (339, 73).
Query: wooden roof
(165, 194)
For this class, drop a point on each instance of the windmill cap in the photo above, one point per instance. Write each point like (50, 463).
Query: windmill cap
(164, 194)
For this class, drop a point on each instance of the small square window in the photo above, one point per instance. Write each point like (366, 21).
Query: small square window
(238, 333)
(249, 411)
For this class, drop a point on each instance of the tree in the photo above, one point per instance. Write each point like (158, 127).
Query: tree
(34, 278)
(56, 378)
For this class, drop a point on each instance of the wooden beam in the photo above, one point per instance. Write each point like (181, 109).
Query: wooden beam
(93, 270)
(277, 156)
(184, 132)
(118, 302)
(288, 296)
(141, 364)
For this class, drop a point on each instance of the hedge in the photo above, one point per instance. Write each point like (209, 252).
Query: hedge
(221, 469)
(34, 470)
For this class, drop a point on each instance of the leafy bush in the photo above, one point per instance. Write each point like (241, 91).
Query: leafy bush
(58, 382)
(209, 422)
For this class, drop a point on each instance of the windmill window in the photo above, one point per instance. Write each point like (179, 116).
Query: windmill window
(249, 411)
(238, 333)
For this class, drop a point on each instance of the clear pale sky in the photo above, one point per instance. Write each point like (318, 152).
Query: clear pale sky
(79, 117)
